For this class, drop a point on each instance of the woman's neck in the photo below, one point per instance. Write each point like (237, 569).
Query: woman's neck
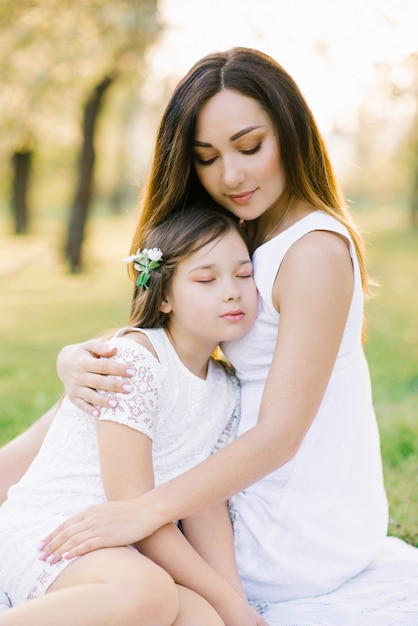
(285, 212)
(272, 221)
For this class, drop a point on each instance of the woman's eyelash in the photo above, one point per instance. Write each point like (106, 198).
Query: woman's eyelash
(206, 162)
(213, 159)
(252, 150)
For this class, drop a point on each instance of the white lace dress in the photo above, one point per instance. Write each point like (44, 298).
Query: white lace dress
(305, 533)
(186, 417)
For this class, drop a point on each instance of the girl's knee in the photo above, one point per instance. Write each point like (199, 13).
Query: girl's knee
(152, 596)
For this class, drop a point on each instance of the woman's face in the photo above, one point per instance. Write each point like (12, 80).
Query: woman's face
(236, 154)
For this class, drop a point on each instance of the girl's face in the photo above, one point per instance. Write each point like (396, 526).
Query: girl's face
(213, 296)
(236, 154)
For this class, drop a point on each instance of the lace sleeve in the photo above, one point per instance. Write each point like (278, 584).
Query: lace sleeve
(229, 433)
(139, 408)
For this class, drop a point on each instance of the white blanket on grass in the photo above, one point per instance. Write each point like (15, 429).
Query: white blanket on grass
(384, 594)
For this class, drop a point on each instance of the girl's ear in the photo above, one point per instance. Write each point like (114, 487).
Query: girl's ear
(165, 306)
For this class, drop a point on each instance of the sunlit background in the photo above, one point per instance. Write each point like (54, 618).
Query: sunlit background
(356, 61)
(348, 56)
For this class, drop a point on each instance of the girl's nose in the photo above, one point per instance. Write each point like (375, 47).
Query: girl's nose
(232, 292)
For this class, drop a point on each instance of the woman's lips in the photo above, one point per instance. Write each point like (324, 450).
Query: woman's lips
(242, 198)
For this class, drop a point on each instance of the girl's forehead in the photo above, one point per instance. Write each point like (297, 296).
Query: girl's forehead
(229, 245)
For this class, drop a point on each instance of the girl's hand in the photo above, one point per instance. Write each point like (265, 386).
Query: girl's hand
(259, 620)
(84, 368)
(240, 614)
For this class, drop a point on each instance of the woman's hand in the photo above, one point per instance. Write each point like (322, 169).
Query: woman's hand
(84, 368)
(101, 526)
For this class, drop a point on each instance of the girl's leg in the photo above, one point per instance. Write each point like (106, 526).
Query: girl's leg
(18, 454)
(104, 588)
(195, 610)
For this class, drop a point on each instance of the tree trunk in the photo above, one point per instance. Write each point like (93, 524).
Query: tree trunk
(414, 202)
(81, 203)
(22, 162)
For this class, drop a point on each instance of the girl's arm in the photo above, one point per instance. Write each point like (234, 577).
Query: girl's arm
(18, 454)
(210, 533)
(313, 292)
(126, 466)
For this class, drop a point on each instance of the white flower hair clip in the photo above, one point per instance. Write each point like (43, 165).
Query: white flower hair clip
(145, 262)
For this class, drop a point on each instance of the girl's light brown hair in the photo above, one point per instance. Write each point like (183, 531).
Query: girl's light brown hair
(182, 233)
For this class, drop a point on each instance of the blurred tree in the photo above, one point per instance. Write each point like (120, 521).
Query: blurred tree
(56, 58)
(22, 161)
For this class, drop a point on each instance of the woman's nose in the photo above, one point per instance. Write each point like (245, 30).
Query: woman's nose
(232, 174)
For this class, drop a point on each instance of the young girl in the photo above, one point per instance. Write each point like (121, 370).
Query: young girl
(194, 287)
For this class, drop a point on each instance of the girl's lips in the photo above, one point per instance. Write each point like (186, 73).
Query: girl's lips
(233, 315)
(241, 198)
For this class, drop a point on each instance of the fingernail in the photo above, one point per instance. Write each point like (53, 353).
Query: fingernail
(130, 372)
(51, 558)
(126, 387)
(41, 556)
(96, 413)
(41, 545)
(112, 403)
(66, 555)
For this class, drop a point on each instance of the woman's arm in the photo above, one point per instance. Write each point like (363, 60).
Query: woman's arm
(18, 454)
(313, 291)
(86, 367)
(126, 467)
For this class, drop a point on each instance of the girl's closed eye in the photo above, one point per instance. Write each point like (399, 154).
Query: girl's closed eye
(246, 270)
(204, 279)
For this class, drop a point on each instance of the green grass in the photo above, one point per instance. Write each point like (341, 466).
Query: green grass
(43, 308)
(392, 352)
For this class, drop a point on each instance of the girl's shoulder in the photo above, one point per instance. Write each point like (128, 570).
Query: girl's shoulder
(132, 336)
(221, 367)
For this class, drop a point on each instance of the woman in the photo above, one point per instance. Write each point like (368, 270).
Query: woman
(311, 511)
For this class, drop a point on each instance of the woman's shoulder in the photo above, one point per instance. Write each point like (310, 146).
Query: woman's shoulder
(317, 255)
(317, 220)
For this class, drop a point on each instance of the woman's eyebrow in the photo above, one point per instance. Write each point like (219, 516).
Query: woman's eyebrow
(240, 133)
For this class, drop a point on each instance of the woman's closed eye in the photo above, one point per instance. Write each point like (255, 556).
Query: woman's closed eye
(208, 160)
(251, 150)
(203, 161)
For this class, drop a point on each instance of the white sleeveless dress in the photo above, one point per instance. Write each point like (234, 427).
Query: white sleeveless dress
(318, 521)
(186, 417)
